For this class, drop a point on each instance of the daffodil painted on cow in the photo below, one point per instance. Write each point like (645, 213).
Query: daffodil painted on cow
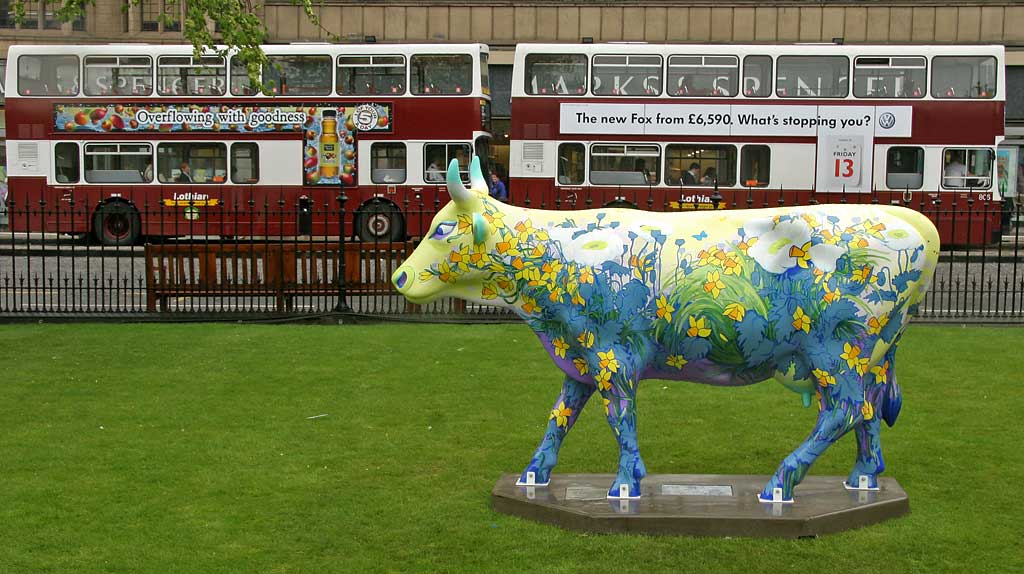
(814, 297)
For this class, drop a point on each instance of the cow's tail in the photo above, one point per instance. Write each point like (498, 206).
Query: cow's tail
(892, 396)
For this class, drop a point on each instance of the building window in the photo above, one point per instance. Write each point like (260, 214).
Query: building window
(245, 163)
(636, 75)
(65, 163)
(700, 165)
(442, 74)
(6, 14)
(361, 75)
(622, 164)
(904, 168)
(118, 163)
(703, 76)
(571, 164)
(967, 168)
(50, 20)
(387, 162)
(551, 74)
(31, 19)
(150, 12)
(755, 165)
(172, 16)
(436, 158)
(191, 162)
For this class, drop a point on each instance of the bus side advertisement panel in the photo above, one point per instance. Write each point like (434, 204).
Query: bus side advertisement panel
(329, 130)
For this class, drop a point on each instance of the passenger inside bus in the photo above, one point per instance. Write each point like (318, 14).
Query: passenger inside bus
(690, 176)
(710, 177)
(184, 173)
(955, 171)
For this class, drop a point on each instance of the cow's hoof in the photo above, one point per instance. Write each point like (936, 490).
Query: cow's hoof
(534, 477)
(775, 496)
(623, 490)
(858, 481)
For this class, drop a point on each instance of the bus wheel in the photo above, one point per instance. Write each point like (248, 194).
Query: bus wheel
(380, 222)
(116, 223)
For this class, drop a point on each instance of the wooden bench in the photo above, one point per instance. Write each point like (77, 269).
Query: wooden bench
(279, 270)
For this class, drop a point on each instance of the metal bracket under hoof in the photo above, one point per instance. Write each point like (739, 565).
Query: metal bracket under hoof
(531, 480)
(776, 497)
(862, 484)
(624, 494)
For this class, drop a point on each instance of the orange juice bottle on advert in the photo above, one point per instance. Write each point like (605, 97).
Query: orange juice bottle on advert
(329, 146)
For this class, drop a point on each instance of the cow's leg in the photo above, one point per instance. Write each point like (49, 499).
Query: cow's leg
(563, 415)
(620, 407)
(869, 455)
(833, 422)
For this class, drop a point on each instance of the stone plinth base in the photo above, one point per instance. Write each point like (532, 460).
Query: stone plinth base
(700, 505)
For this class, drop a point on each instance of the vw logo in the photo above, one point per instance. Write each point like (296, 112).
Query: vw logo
(887, 120)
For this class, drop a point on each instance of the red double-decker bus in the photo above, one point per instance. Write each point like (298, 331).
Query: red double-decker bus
(149, 140)
(663, 126)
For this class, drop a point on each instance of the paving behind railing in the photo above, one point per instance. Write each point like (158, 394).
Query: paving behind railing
(199, 275)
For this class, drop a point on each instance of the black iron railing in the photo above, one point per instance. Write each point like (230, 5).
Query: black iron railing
(303, 257)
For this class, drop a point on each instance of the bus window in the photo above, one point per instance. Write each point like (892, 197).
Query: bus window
(118, 163)
(65, 162)
(904, 168)
(48, 75)
(703, 75)
(620, 164)
(967, 168)
(441, 74)
(485, 78)
(387, 162)
(813, 77)
(963, 77)
(241, 85)
(437, 156)
(571, 160)
(191, 162)
(757, 76)
(298, 75)
(118, 75)
(550, 74)
(245, 163)
(626, 75)
(360, 75)
(689, 164)
(755, 165)
(189, 76)
(885, 77)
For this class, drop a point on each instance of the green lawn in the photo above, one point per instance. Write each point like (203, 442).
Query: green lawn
(190, 448)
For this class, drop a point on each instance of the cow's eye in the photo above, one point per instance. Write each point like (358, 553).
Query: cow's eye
(443, 229)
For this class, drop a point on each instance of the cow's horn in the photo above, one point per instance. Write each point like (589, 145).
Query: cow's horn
(476, 176)
(460, 195)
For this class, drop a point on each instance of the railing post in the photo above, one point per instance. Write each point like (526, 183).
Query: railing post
(342, 305)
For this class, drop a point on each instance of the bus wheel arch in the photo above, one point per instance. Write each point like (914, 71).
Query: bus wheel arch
(379, 220)
(116, 222)
(620, 204)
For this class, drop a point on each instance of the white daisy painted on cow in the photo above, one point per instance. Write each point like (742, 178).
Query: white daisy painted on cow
(592, 248)
(787, 244)
(900, 238)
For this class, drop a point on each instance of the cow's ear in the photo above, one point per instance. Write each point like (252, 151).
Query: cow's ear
(460, 195)
(479, 229)
(476, 176)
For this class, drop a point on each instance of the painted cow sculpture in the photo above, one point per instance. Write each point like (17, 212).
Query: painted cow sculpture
(815, 297)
